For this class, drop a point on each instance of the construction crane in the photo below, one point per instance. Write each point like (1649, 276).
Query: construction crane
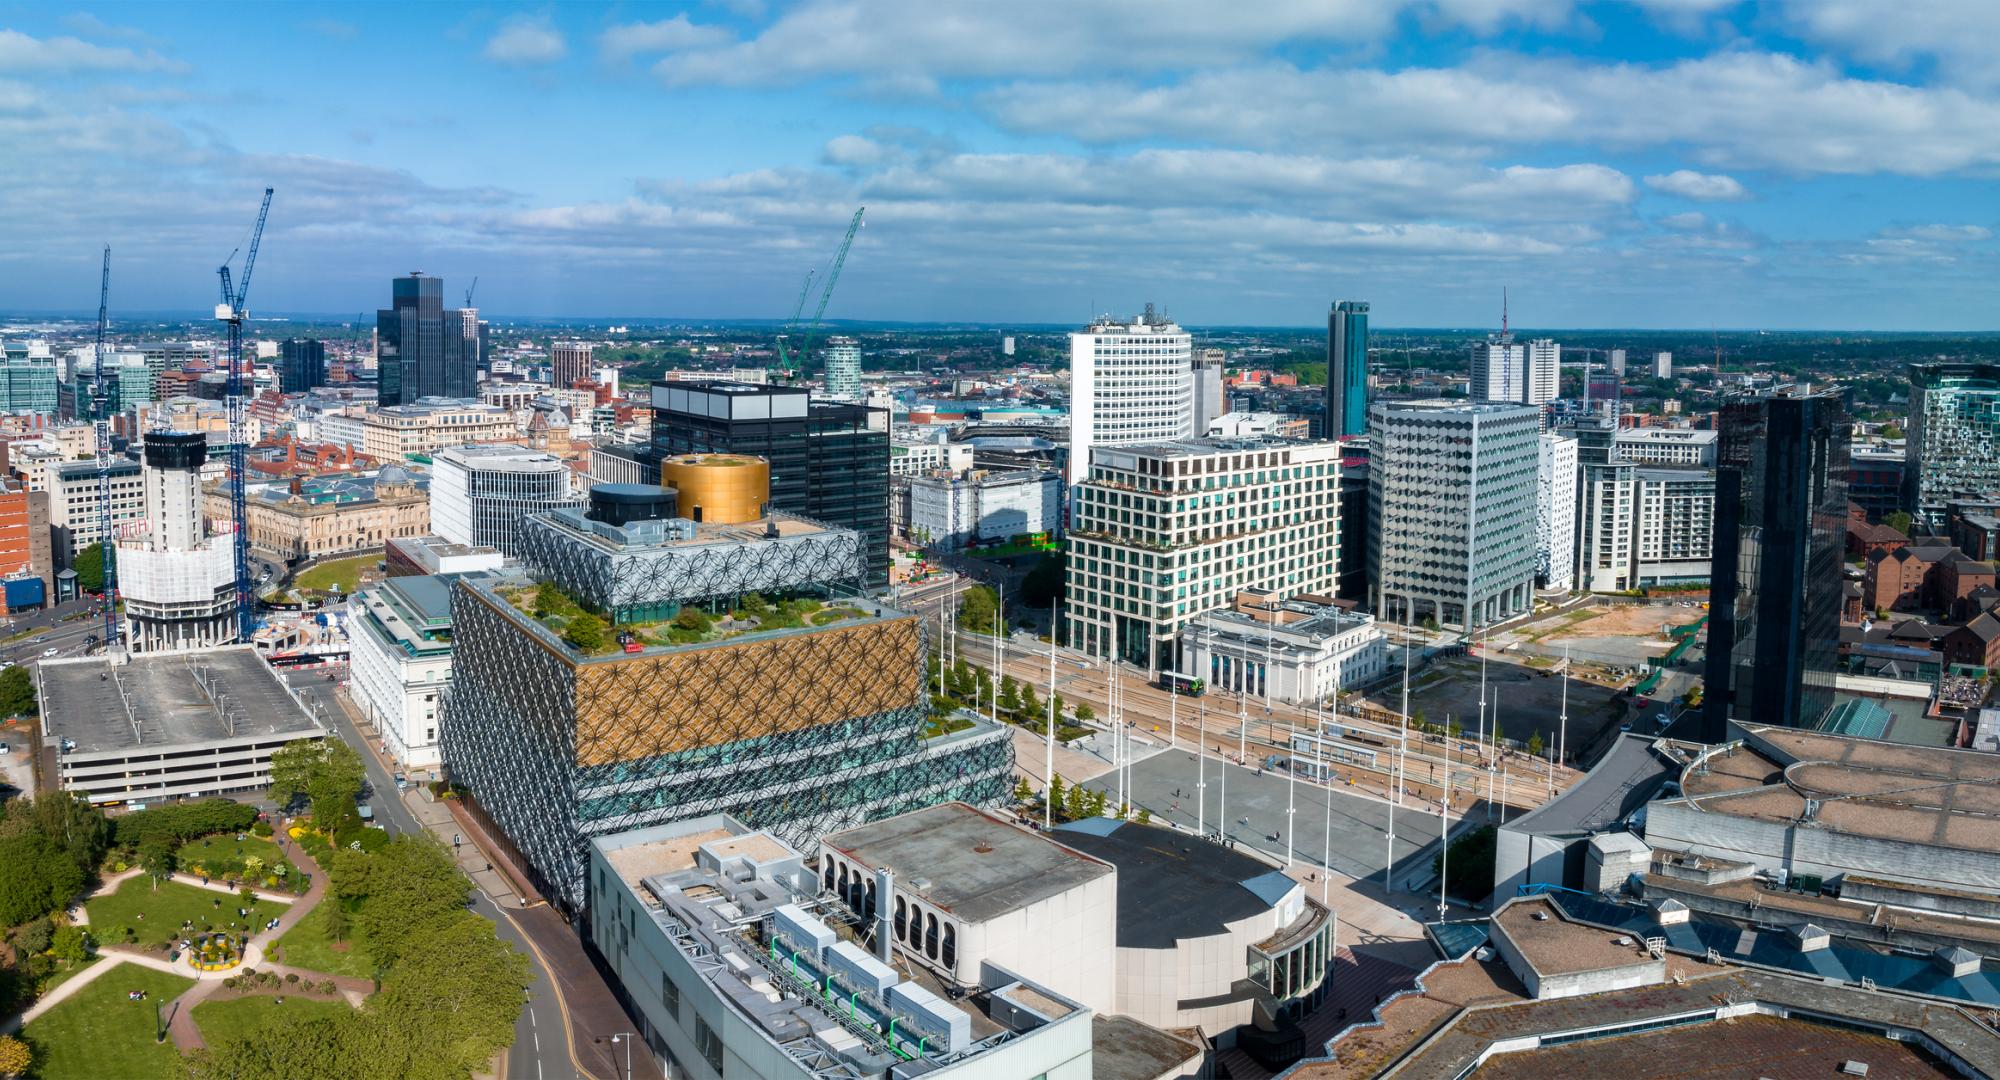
(469, 290)
(230, 311)
(100, 420)
(785, 357)
(825, 293)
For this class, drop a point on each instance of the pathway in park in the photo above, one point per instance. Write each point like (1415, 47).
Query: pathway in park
(180, 1011)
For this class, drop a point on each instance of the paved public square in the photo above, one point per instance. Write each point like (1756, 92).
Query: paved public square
(1256, 811)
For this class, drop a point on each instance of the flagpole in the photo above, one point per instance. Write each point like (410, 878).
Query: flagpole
(1049, 779)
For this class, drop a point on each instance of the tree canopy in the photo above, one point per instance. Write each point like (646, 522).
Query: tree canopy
(17, 693)
(328, 773)
(977, 609)
(89, 567)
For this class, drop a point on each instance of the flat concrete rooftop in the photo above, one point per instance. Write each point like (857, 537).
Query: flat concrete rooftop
(166, 695)
(1558, 947)
(1889, 791)
(968, 862)
(1760, 1046)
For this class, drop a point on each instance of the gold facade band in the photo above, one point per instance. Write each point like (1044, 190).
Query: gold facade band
(719, 489)
(631, 709)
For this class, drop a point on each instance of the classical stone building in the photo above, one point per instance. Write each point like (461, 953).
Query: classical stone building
(307, 518)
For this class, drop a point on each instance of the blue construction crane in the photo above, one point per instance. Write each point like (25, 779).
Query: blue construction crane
(100, 419)
(231, 312)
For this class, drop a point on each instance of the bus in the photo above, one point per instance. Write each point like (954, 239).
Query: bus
(1182, 684)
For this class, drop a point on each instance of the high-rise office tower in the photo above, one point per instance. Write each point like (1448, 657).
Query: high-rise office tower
(1498, 366)
(1663, 365)
(569, 363)
(843, 368)
(177, 580)
(1543, 381)
(1953, 447)
(422, 349)
(1347, 369)
(1555, 513)
(480, 493)
(1209, 400)
(1527, 374)
(1775, 576)
(828, 461)
(303, 364)
(1451, 511)
(1617, 361)
(1130, 381)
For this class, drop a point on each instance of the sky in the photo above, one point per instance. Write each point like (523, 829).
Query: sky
(1819, 164)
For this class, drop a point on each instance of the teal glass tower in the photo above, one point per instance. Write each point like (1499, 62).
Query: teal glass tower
(1347, 369)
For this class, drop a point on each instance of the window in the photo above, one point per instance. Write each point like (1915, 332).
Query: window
(709, 1043)
(902, 920)
(670, 996)
(931, 935)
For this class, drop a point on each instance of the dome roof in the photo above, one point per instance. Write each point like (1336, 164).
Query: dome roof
(393, 474)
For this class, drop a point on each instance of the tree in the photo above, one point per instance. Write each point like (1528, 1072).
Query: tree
(36, 937)
(1044, 584)
(1031, 707)
(413, 885)
(1010, 693)
(978, 608)
(335, 921)
(14, 1056)
(326, 1047)
(158, 858)
(1075, 804)
(1022, 792)
(89, 567)
(692, 618)
(584, 631)
(1084, 713)
(17, 693)
(1898, 521)
(1535, 744)
(70, 945)
(1471, 867)
(328, 773)
(1056, 803)
(449, 1003)
(1892, 430)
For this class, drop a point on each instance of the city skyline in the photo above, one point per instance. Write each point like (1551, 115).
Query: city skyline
(1649, 165)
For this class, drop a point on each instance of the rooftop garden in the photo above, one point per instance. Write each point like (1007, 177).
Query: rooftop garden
(592, 632)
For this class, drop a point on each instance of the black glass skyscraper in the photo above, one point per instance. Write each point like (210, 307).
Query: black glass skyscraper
(827, 462)
(1780, 525)
(1347, 369)
(421, 348)
(302, 364)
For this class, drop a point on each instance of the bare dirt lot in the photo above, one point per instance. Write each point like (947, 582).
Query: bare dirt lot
(1629, 620)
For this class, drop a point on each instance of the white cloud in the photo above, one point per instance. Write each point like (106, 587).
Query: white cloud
(20, 53)
(83, 22)
(853, 150)
(667, 35)
(1951, 234)
(526, 40)
(1702, 187)
(1690, 220)
(1957, 34)
(1739, 108)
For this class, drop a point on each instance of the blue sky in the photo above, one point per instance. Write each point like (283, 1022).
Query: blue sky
(1672, 163)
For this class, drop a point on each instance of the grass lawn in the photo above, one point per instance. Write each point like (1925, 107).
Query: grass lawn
(219, 1020)
(212, 854)
(98, 1033)
(166, 908)
(63, 975)
(306, 946)
(345, 573)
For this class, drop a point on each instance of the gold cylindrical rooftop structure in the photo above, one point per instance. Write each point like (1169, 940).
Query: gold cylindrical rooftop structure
(722, 489)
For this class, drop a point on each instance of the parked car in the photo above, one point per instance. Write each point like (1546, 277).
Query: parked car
(46, 653)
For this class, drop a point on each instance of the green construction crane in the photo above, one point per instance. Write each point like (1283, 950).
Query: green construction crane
(785, 357)
(804, 353)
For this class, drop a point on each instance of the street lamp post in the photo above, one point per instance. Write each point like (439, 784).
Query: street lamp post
(1201, 769)
(624, 1037)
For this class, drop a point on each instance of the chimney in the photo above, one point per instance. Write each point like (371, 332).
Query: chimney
(885, 901)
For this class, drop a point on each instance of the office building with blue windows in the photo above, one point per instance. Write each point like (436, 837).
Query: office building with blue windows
(1347, 369)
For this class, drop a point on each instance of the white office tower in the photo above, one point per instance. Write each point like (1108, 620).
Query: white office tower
(570, 363)
(177, 579)
(1663, 365)
(1555, 513)
(843, 369)
(1529, 374)
(1618, 361)
(1007, 345)
(1498, 366)
(1210, 402)
(1451, 511)
(479, 494)
(1543, 383)
(1130, 382)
